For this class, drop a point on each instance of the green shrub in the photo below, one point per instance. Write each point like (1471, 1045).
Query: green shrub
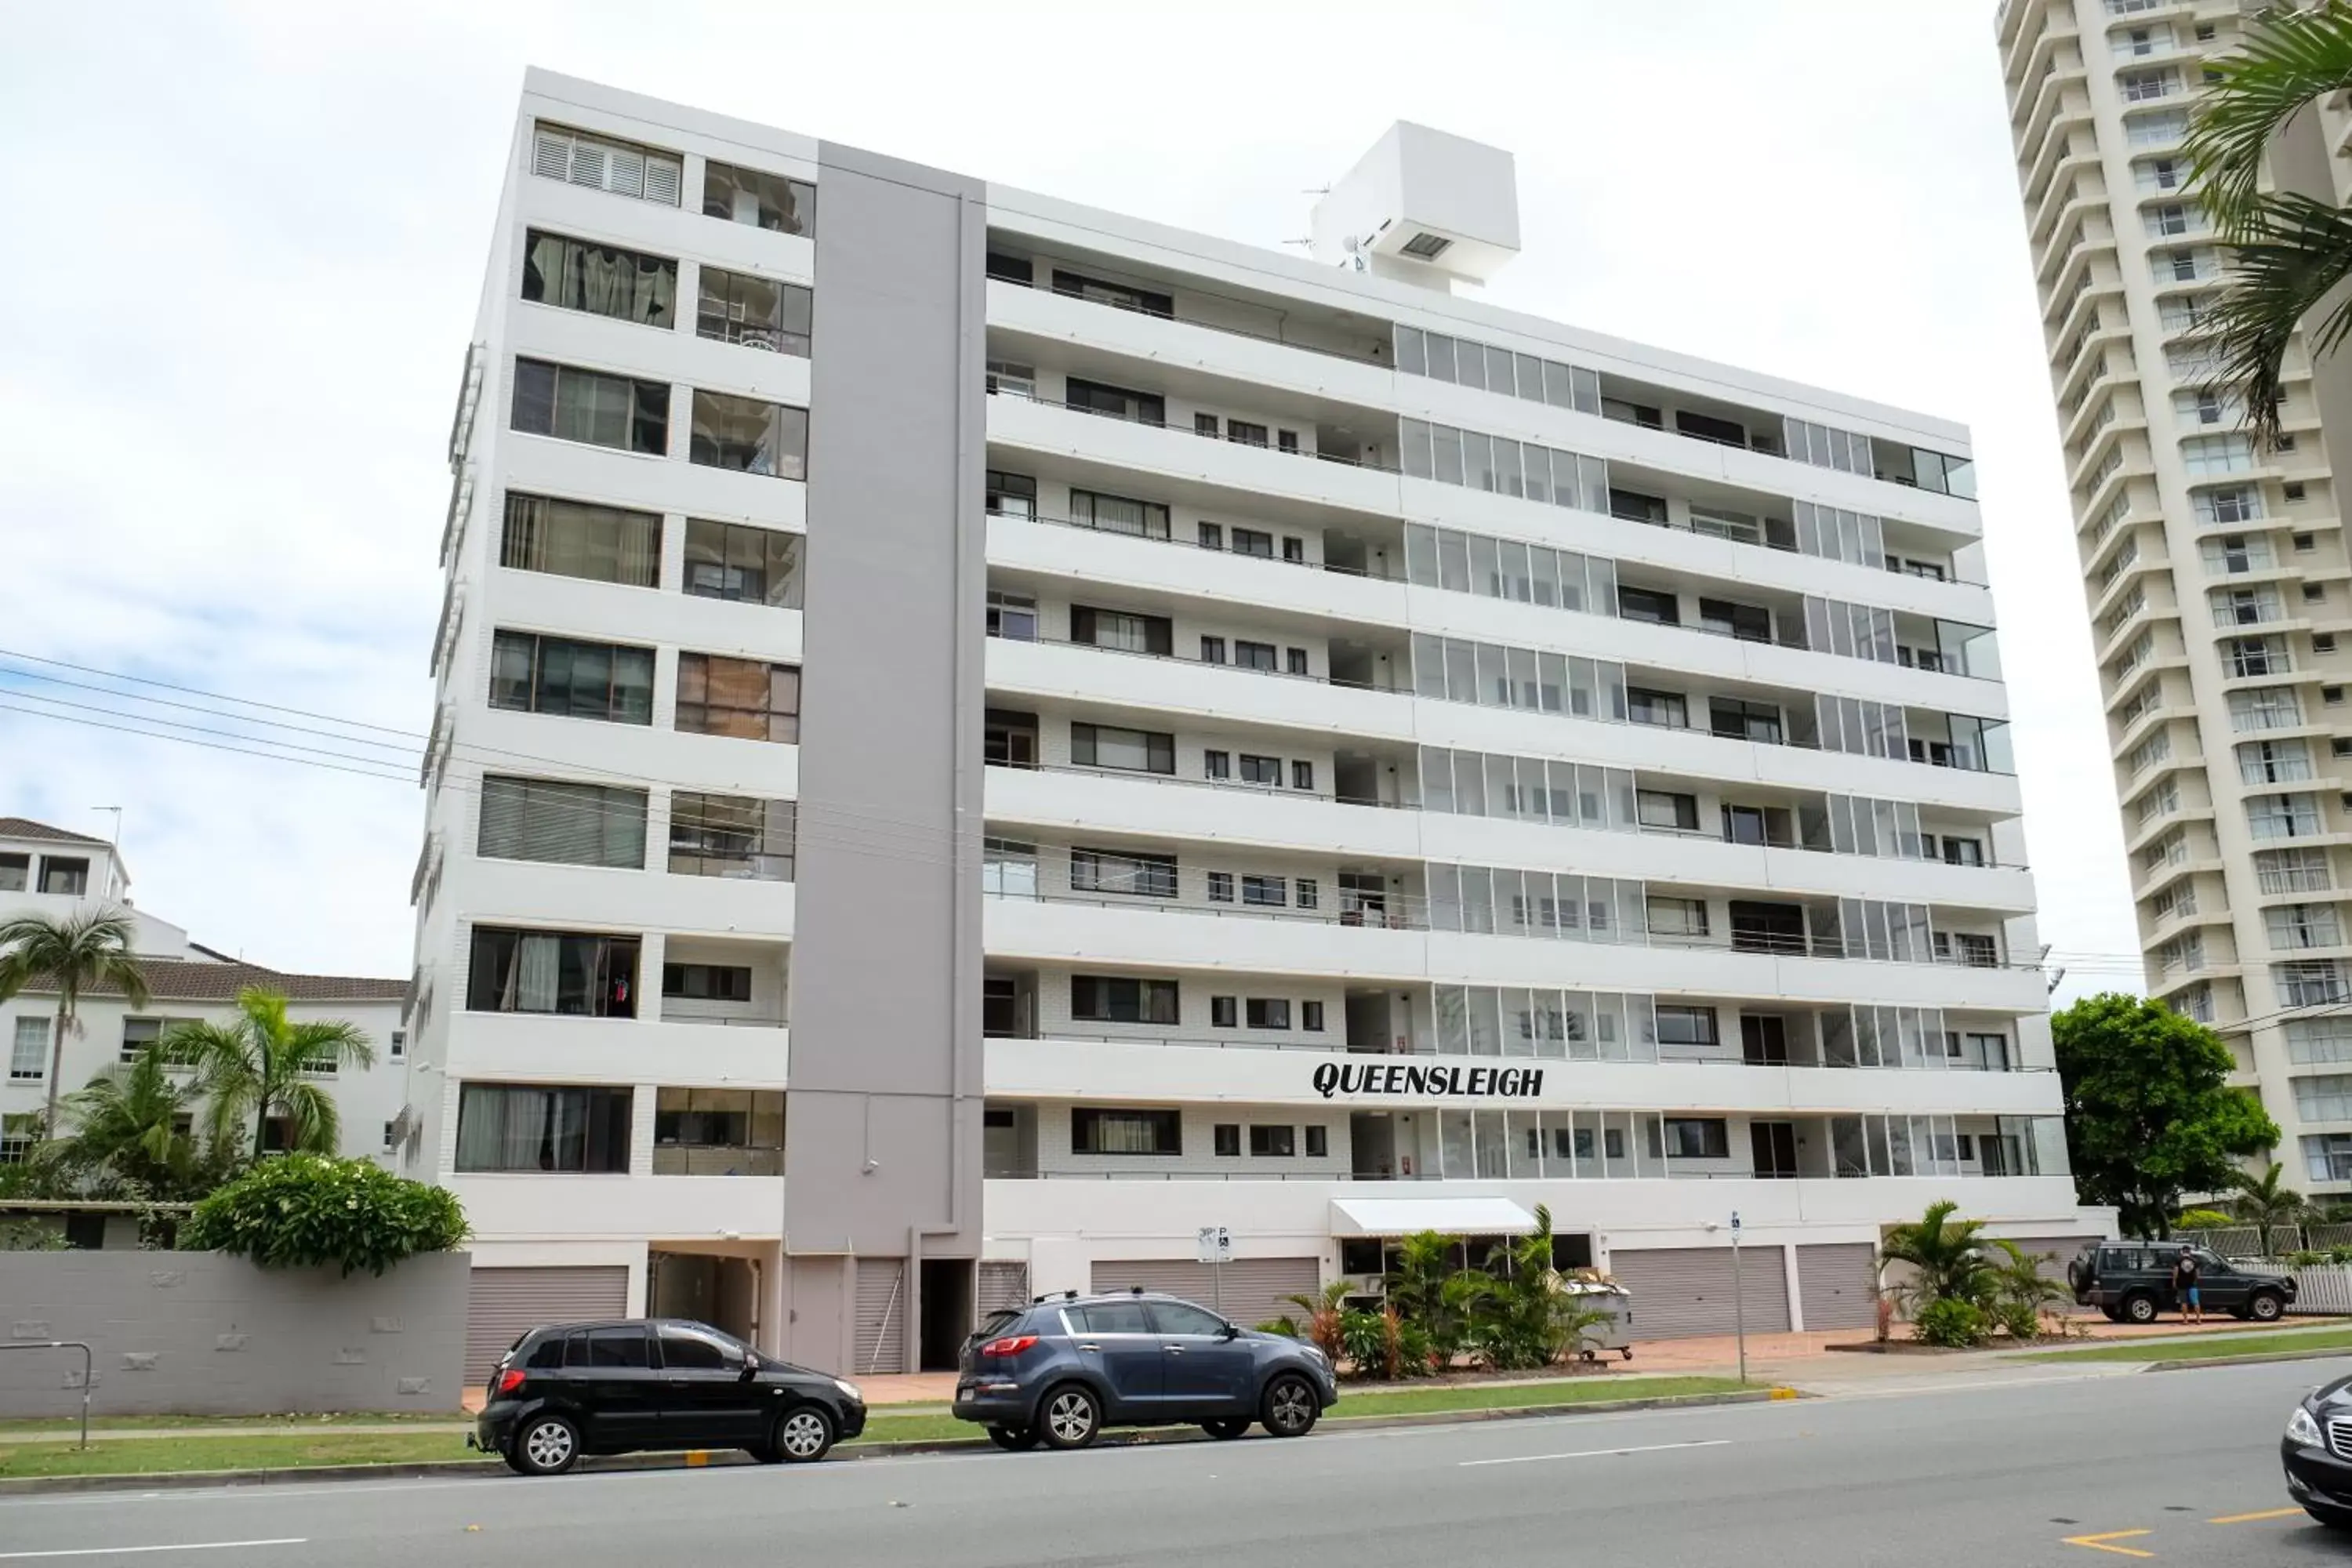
(2339, 1255)
(1364, 1342)
(1416, 1352)
(1952, 1323)
(2305, 1259)
(302, 1210)
(2205, 1219)
(2018, 1320)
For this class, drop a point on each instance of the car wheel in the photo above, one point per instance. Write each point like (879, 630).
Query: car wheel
(545, 1445)
(2140, 1307)
(1070, 1417)
(1226, 1428)
(803, 1435)
(2112, 1312)
(2265, 1307)
(1014, 1439)
(1289, 1408)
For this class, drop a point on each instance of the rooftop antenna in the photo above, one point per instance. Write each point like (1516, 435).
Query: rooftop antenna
(114, 846)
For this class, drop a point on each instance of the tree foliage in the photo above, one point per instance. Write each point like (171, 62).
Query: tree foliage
(2149, 1114)
(122, 1137)
(260, 1067)
(79, 953)
(306, 1210)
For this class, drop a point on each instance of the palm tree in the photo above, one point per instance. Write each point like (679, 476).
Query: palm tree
(258, 1067)
(78, 953)
(2288, 251)
(126, 1125)
(2263, 1201)
(1948, 1260)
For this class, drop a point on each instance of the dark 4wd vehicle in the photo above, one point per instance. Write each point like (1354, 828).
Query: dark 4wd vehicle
(614, 1388)
(2131, 1281)
(1063, 1368)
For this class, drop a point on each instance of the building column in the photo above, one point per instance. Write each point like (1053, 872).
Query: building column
(1795, 1289)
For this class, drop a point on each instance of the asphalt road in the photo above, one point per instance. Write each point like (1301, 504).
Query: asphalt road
(1961, 1476)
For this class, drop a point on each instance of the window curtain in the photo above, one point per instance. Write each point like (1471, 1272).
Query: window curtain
(534, 986)
(503, 1129)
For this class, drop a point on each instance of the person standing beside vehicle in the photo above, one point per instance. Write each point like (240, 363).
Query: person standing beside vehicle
(2184, 1287)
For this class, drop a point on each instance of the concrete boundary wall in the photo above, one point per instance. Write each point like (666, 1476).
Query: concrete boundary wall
(205, 1334)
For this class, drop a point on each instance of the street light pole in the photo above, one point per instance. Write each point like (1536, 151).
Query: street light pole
(1738, 1299)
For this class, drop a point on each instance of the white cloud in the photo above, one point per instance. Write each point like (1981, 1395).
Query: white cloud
(250, 241)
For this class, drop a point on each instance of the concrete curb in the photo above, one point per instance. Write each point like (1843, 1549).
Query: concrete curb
(183, 1480)
(2339, 1353)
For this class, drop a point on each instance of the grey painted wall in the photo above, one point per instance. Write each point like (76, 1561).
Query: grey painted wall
(883, 1122)
(205, 1334)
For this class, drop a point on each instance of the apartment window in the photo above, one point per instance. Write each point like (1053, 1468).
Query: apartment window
(1012, 378)
(739, 837)
(574, 405)
(1295, 661)
(1008, 868)
(1647, 604)
(28, 1050)
(1125, 872)
(1012, 617)
(2282, 816)
(601, 279)
(573, 539)
(1213, 650)
(1318, 1142)
(1294, 549)
(534, 674)
(1665, 708)
(1216, 765)
(1114, 999)
(1119, 514)
(1302, 775)
(719, 1132)
(15, 872)
(1221, 887)
(1959, 851)
(752, 565)
(707, 982)
(1698, 1138)
(64, 876)
(2216, 454)
(562, 823)
(763, 200)
(1311, 1017)
(1117, 402)
(1206, 424)
(1227, 1137)
(2292, 490)
(1132, 750)
(1101, 1130)
(1011, 495)
(623, 168)
(2139, 87)
(540, 1128)
(2309, 982)
(2264, 708)
(757, 312)
(397, 1044)
(1245, 433)
(2274, 761)
(1224, 1013)
(1259, 770)
(573, 973)
(2304, 543)
(2292, 871)
(1748, 623)
(1265, 893)
(2227, 504)
(1267, 1013)
(2255, 656)
(1678, 917)
(1124, 631)
(1277, 1142)
(2323, 642)
(1669, 811)
(2303, 925)
(745, 698)
(749, 436)
(1686, 1026)
(1212, 536)
(1742, 720)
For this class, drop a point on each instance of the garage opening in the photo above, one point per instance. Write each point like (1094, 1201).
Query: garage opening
(721, 1291)
(947, 1311)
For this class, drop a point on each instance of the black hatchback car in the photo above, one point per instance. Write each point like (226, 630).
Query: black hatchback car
(2131, 1281)
(663, 1383)
(1063, 1368)
(2317, 1454)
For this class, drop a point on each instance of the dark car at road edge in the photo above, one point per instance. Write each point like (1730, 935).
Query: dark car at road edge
(2317, 1454)
(628, 1385)
(2131, 1282)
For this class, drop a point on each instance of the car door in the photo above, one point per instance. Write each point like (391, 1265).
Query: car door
(611, 1375)
(2220, 1287)
(706, 1400)
(1207, 1370)
(1116, 1339)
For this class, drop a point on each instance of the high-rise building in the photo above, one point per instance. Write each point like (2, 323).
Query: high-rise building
(2214, 570)
(984, 744)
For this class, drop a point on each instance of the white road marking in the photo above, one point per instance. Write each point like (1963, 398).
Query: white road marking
(127, 1551)
(1595, 1453)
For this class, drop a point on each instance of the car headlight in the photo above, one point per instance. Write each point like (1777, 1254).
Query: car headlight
(850, 1391)
(2301, 1429)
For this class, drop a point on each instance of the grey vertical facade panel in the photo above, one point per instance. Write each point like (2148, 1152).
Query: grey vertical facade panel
(883, 1122)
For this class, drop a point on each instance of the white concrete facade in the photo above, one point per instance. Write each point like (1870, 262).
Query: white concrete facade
(2215, 574)
(53, 874)
(1245, 831)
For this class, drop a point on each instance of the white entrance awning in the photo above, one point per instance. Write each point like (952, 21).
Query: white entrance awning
(1447, 1216)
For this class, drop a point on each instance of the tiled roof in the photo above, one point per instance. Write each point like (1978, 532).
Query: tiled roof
(180, 980)
(41, 832)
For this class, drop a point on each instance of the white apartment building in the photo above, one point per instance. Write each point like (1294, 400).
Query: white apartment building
(55, 874)
(2215, 574)
(1284, 746)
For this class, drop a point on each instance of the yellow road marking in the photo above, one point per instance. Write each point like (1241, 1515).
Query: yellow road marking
(2250, 1518)
(2099, 1543)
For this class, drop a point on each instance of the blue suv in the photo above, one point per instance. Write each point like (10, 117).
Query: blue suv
(1060, 1370)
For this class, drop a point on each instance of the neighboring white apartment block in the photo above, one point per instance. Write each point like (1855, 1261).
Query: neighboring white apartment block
(2215, 573)
(1284, 746)
(54, 874)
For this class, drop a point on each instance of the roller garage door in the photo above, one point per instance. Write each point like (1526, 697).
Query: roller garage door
(881, 1343)
(502, 1304)
(1253, 1288)
(1003, 1288)
(1834, 1284)
(1683, 1290)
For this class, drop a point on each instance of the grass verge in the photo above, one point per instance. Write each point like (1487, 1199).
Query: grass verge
(289, 1425)
(2207, 1349)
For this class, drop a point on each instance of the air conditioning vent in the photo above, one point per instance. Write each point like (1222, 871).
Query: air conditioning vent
(1428, 247)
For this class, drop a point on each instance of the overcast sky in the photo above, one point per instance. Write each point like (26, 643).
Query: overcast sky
(250, 237)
